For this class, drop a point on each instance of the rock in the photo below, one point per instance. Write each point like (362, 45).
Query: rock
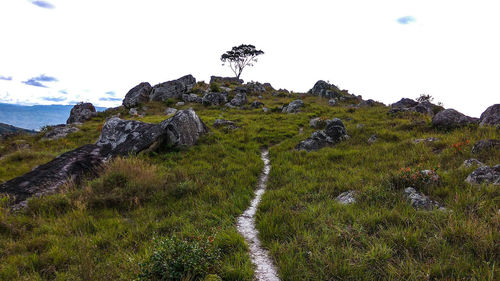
(372, 139)
(485, 145)
(316, 141)
(59, 131)
(124, 137)
(239, 99)
(293, 107)
(184, 128)
(424, 107)
(430, 139)
(256, 87)
(180, 103)
(226, 123)
(81, 112)
(334, 132)
(420, 201)
(332, 102)
(433, 177)
(173, 89)
(224, 80)
(191, 98)
(265, 109)
(317, 123)
(491, 116)
(137, 95)
(170, 111)
(346, 198)
(450, 119)
(323, 89)
(256, 104)
(485, 174)
(214, 99)
(404, 103)
(133, 111)
(360, 126)
(368, 103)
(472, 162)
(47, 178)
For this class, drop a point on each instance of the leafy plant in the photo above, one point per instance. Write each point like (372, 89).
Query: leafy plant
(176, 259)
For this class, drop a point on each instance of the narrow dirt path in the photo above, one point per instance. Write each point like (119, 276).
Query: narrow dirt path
(264, 267)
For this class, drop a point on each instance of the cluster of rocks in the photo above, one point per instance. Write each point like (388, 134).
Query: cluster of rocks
(174, 89)
(118, 138)
(484, 174)
(334, 132)
(225, 80)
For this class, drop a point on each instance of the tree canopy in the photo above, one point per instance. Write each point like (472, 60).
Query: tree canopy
(241, 56)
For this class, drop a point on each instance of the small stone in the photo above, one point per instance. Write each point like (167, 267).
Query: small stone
(472, 162)
(170, 111)
(181, 103)
(133, 111)
(420, 201)
(346, 198)
(373, 138)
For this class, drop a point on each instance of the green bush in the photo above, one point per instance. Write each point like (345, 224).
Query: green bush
(176, 259)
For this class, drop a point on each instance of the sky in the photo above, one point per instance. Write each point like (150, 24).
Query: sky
(66, 51)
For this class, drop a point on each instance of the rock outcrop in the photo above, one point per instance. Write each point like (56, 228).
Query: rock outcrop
(485, 174)
(137, 95)
(450, 119)
(172, 89)
(420, 201)
(293, 107)
(491, 116)
(334, 132)
(81, 112)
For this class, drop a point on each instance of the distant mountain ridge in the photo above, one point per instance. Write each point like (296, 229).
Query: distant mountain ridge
(6, 129)
(36, 116)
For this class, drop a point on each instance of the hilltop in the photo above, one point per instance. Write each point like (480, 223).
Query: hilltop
(353, 190)
(6, 129)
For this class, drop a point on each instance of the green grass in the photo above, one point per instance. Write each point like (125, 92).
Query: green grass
(106, 227)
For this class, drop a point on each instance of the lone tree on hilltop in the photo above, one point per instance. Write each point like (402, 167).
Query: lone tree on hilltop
(239, 57)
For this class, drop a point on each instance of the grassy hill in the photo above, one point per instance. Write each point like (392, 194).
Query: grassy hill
(112, 226)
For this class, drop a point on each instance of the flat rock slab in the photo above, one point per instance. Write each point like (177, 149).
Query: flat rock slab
(47, 178)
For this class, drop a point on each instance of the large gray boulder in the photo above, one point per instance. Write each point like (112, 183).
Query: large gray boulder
(334, 132)
(491, 116)
(124, 137)
(420, 201)
(81, 112)
(137, 95)
(450, 119)
(293, 107)
(173, 89)
(214, 99)
(47, 178)
(485, 174)
(183, 129)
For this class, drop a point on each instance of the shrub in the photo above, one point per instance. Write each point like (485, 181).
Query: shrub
(176, 259)
(413, 177)
(214, 87)
(169, 102)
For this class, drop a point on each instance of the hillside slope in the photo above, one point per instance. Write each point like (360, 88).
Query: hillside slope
(170, 203)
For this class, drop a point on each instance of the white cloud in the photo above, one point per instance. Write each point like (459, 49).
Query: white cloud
(94, 47)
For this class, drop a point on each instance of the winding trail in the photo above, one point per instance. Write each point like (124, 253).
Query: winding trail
(264, 267)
